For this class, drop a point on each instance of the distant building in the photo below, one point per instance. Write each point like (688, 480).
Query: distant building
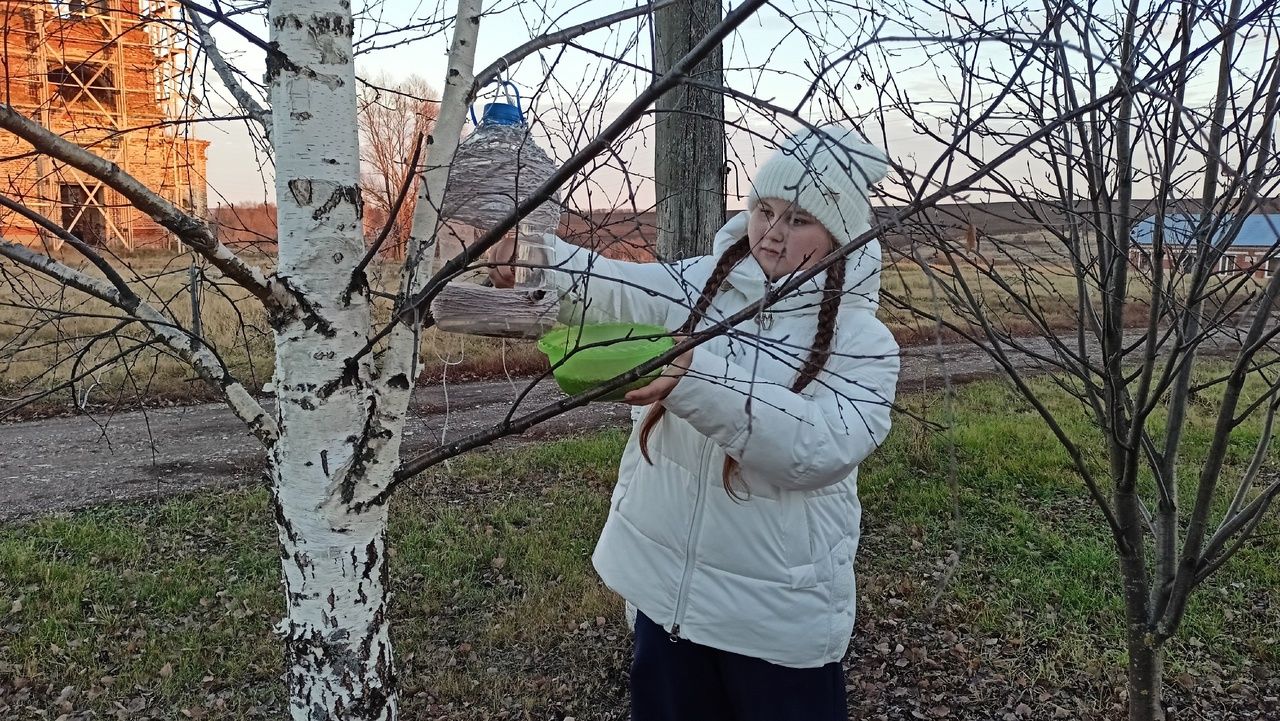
(1254, 249)
(111, 76)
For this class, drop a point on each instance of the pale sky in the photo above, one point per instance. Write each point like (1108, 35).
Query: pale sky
(767, 40)
(234, 173)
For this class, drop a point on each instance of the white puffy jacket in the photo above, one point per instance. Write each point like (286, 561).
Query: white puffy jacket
(770, 577)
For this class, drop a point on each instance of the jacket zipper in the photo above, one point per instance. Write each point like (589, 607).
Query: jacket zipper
(695, 526)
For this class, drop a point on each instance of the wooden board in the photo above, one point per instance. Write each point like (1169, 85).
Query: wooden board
(495, 312)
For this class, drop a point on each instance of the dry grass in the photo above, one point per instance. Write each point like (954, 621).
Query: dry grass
(50, 335)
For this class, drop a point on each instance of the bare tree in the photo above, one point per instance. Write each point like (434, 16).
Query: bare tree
(1141, 157)
(1092, 118)
(394, 119)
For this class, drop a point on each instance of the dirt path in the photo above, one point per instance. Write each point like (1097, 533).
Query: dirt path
(61, 464)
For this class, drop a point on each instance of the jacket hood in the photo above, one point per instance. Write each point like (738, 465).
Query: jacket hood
(861, 278)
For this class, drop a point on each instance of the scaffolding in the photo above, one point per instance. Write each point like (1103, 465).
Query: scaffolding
(112, 76)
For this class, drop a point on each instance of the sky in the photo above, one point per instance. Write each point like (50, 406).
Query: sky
(234, 165)
(771, 56)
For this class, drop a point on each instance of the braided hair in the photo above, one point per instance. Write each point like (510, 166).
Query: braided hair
(819, 353)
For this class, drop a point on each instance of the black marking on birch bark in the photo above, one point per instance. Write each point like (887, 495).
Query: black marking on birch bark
(363, 451)
(379, 617)
(399, 381)
(282, 521)
(348, 193)
(305, 313)
(301, 190)
(324, 462)
(330, 24)
(283, 21)
(349, 376)
(371, 559)
(361, 596)
(361, 455)
(274, 64)
(301, 116)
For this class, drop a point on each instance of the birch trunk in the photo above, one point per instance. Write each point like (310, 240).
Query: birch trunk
(338, 657)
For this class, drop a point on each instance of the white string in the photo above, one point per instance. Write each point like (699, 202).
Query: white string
(444, 389)
(506, 371)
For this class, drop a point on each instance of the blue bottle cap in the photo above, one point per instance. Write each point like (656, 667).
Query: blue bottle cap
(502, 114)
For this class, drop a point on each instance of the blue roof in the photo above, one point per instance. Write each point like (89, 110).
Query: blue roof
(1260, 230)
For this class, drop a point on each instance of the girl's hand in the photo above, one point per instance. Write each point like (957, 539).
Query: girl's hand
(662, 386)
(504, 251)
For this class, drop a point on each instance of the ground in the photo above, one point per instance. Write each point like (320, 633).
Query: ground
(59, 464)
(163, 609)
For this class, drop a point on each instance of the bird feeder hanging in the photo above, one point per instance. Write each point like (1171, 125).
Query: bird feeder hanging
(497, 167)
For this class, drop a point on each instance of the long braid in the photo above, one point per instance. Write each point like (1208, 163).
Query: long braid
(832, 292)
(733, 255)
(829, 308)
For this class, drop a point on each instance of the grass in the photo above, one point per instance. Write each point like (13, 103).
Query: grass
(50, 334)
(166, 609)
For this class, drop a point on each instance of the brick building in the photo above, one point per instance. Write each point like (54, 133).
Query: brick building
(1255, 249)
(111, 76)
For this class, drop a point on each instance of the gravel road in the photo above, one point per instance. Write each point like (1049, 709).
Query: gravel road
(60, 464)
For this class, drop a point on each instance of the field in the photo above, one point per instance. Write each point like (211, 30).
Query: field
(50, 334)
(165, 610)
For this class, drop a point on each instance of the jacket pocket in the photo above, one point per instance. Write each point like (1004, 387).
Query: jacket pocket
(842, 575)
(798, 535)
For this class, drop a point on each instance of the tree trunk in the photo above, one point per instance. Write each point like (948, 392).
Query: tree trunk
(1146, 678)
(1146, 654)
(338, 657)
(337, 650)
(689, 135)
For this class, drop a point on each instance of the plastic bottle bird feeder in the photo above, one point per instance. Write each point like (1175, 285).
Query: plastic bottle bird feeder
(495, 169)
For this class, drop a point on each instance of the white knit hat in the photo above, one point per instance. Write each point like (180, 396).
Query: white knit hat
(828, 172)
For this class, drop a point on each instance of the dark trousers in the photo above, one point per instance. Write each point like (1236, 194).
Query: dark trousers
(682, 681)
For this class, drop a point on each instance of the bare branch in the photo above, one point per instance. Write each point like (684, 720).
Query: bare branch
(186, 346)
(192, 231)
(225, 72)
(497, 67)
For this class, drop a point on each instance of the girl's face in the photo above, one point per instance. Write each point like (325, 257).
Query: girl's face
(784, 238)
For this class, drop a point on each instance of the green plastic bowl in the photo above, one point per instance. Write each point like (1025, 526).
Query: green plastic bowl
(622, 347)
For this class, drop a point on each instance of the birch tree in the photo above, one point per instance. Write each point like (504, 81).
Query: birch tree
(342, 384)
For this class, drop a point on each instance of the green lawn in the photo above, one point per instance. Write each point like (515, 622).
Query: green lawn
(166, 610)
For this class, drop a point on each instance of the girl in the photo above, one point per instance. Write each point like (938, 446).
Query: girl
(733, 526)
